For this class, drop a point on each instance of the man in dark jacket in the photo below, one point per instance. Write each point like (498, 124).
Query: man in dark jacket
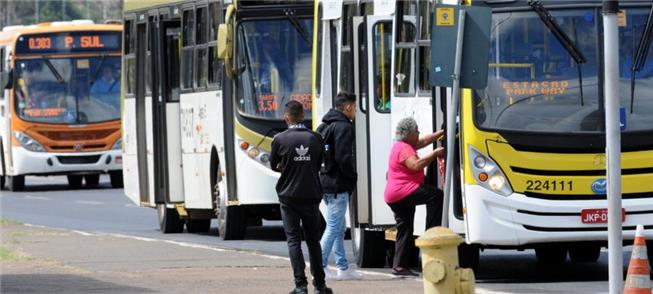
(338, 178)
(297, 153)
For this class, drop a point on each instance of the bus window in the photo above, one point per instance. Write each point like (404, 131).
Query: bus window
(382, 34)
(275, 58)
(214, 64)
(641, 118)
(201, 55)
(188, 39)
(533, 83)
(405, 59)
(130, 58)
(347, 57)
(68, 90)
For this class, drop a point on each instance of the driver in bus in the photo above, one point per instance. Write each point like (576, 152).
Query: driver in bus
(107, 83)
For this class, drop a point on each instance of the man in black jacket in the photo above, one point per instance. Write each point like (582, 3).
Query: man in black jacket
(338, 178)
(297, 153)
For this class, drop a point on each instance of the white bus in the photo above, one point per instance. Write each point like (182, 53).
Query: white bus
(201, 107)
(530, 169)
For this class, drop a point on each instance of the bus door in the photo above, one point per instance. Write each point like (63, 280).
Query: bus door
(143, 117)
(407, 99)
(170, 59)
(165, 43)
(372, 46)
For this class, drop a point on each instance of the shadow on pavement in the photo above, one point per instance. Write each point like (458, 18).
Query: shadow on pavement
(61, 283)
(524, 268)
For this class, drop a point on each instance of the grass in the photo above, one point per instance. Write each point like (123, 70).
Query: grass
(7, 254)
(5, 222)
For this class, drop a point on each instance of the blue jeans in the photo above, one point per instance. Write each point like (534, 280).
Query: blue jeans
(334, 235)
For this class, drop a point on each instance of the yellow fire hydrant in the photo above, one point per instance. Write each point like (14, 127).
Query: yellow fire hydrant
(439, 247)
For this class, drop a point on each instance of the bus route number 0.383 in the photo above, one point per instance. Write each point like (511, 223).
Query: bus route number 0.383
(549, 185)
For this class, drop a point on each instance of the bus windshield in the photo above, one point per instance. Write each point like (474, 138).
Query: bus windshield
(274, 64)
(534, 85)
(68, 90)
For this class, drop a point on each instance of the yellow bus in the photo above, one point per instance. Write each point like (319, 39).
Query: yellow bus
(60, 104)
(530, 166)
(198, 121)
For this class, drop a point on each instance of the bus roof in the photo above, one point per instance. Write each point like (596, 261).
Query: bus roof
(9, 34)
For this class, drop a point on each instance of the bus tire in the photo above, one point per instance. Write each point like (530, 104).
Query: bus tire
(201, 225)
(116, 179)
(169, 221)
(585, 253)
(551, 255)
(92, 180)
(370, 249)
(232, 224)
(2, 182)
(16, 183)
(75, 181)
(469, 256)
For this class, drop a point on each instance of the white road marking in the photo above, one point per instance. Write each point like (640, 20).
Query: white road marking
(36, 197)
(89, 202)
(216, 249)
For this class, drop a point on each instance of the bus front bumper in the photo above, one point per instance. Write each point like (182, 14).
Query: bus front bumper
(48, 163)
(518, 220)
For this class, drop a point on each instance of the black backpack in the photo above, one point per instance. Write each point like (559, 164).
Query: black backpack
(326, 131)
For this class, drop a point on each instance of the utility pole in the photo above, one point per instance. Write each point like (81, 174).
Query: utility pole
(63, 8)
(613, 144)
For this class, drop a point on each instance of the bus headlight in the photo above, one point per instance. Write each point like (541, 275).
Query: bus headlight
(117, 145)
(28, 143)
(488, 174)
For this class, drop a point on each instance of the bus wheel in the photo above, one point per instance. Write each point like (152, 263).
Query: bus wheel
(369, 247)
(469, 256)
(74, 181)
(549, 255)
(116, 179)
(588, 253)
(92, 180)
(169, 221)
(232, 220)
(202, 225)
(16, 183)
(2, 182)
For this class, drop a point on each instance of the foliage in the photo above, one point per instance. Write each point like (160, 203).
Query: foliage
(26, 12)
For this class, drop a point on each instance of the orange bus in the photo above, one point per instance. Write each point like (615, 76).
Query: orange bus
(60, 103)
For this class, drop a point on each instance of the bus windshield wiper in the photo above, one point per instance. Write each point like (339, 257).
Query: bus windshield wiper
(562, 37)
(298, 27)
(54, 71)
(639, 59)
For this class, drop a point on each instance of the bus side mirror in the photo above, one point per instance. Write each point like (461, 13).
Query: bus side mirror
(224, 42)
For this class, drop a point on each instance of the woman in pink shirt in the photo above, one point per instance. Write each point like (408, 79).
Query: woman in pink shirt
(405, 188)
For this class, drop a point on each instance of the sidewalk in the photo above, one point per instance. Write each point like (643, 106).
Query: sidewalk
(40, 260)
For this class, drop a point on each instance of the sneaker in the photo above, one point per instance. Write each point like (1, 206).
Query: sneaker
(403, 272)
(299, 290)
(329, 274)
(323, 290)
(349, 274)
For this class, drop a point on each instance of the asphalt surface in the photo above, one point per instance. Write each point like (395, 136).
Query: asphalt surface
(48, 202)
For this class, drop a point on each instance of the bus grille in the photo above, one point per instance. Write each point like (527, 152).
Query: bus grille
(86, 159)
(72, 147)
(77, 135)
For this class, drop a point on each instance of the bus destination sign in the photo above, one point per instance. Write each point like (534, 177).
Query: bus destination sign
(68, 42)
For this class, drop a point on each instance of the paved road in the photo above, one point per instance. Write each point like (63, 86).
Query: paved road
(48, 202)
